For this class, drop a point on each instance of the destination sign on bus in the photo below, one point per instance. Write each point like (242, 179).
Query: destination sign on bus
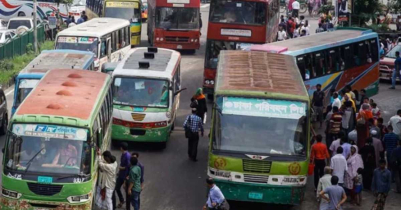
(264, 107)
(50, 131)
(235, 32)
(126, 4)
(81, 40)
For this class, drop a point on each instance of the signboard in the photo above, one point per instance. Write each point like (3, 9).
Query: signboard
(122, 4)
(72, 39)
(235, 32)
(264, 107)
(178, 1)
(52, 22)
(51, 131)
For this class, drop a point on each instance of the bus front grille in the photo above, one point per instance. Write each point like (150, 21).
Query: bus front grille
(177, 39)
(257, 166)
(138, 117)
(256, 178)
(44, 189)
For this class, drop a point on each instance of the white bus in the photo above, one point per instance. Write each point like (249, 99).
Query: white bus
(14, 8)
(146, 95)
(107, 38)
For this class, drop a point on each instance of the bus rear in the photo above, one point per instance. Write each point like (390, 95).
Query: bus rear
(174, 24)
(259, 138)
(236, 25)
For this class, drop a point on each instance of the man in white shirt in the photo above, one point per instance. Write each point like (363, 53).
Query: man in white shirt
(395, 122)
(107, 180)
(339, 165)
(216, 199)
(336, 101)
(295, 8)
(281, 34)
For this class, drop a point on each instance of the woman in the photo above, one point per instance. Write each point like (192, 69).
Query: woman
(369, 161)
(198, 101)
(362, 127)
(66, 156)
(354, 162)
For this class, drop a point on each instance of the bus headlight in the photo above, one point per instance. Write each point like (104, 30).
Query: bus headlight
(168, 115)
(157, 38)
(207, 82)
(78, 198)
(195, 40)
(161, 39)
(212, 82)
(192, 40)
(10, 194)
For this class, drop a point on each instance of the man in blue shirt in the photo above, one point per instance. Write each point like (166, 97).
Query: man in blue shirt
(390, 141)
(122, 174)
(336, 194)
(215, 199)
(193, 123)
(396, 159)
(396, 70)
(381, 184)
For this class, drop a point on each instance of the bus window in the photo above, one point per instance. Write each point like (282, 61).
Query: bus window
(374, 49)
(103, 48)
(347, 57)
(359, 54)
(319, 64)
(333, 64)
(302, 67)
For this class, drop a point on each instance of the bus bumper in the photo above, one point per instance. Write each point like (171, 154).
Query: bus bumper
(22, 204)
(122, 133)
(262, 193)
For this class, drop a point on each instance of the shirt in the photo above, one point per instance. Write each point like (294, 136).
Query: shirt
(335, 193)
(319, 151)
(80, 20)
(196, 123)
(336, 102)
(124, 162)
(390, 142)
(339, 166)
(295, 5)
(381, 181)
(395, 123)
(335, 123)
(215, 196)
(318, 97)
(346, 149)
(324, 182)
(378, 145)
(135, 178)
(334, 145)
(347, 113)
(359, 179)
(281, 35)
(107, 175)
(142, 171)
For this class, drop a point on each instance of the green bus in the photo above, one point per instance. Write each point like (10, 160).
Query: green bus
(50, 152)
(259, 140)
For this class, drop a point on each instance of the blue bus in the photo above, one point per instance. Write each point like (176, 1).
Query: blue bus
(48, 60)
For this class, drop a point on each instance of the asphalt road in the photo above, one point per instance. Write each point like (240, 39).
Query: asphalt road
(173, 182)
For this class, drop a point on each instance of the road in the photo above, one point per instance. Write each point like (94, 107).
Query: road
(173, 182)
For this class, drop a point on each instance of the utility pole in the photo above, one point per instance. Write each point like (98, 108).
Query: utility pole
(35, 29)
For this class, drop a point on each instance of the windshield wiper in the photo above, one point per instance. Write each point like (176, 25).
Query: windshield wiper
(74, 175)
(30, 161)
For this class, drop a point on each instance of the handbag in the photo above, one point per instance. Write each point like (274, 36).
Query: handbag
(219, 206)
(188, 132)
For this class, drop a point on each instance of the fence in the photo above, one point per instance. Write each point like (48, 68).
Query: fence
(18, 45)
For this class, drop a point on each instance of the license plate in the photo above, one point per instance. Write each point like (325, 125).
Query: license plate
(255, 195)
(179, 47)
(45, 179)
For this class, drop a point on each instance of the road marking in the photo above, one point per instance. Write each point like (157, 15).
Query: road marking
(11, 91)
(205, 5)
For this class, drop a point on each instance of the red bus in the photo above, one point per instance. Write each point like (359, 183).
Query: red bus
(174, 24)
(235, 25)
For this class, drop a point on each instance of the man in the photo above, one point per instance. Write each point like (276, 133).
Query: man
(123, 172)
(346, 146)
(318, 102)
(84, 16)
(324, 182)
(381, 185)
(396, 159)
(396, 70)
(390, 141)
(134, 188)
(193, 124)
(348, 117)
(336, 144)
(373, 127)
(339, 165)
(290, 27)
(334, 127)
(320, 29)
(336, 101)
(295, 8)
(215, 199)
(107, 180)
(80, 20)
(281, 34)
(378, 145)
(336, 194)
(382, 127)
(319, 155)
(395, 122)
(135, 154)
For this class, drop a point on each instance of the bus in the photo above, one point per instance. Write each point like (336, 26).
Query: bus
(348, 56)
(259, 138)
(107, 38)
(174, 24)
(146, 91)
(29, 77)
(235, 25)
(50, 159)
(128, 10)
(17, 8)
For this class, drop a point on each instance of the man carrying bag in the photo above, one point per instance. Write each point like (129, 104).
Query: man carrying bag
(215, 199)
(192, 125)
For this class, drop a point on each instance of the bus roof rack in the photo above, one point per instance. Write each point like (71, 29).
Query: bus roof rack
(143, 64)
(152, 49)
(149, 55)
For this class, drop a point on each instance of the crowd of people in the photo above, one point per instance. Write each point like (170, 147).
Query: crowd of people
(361, 152)
(70, 21)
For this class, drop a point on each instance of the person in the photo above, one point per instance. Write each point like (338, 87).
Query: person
(67, 155)
(362, 124)
(395, 122)
(80, 20)
(303, 32)
(381, 185)
(336, 194)
(319, 155)
(123, 172)
(324, 182)
(296, 32)
(336, 101)
(339, 165)
(354, 162)
(68, 20)
(334, 127)
(134, 180)
(348, 118)
(84, 16)
(396, 162)
(295, 8)
(290, 27)
(369, 161)
(318, 104)
(348, 89)
(358, 185)
(201, 108)
(135, 154)
(320, 29)
(306, 28)
(346, 147)
(193, 124)
(215, 199)
(107, 180)
(347, 97)
(281, 34)
(336, 143)
(73, 20)
(390, 143)
(373, 127)
(311, 4)
(375, 111)
(396, 70)
(378, 145)
(382, 127)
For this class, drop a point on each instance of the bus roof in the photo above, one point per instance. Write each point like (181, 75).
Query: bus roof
(95, 27)
(255, 71)
(65, 93)
(319, 39)
(163, 64)
(65, 59)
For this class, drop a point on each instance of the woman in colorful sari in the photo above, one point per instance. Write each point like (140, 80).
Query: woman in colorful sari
(354, 162)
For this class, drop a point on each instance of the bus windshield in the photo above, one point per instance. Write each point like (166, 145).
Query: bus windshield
(172, 18)
(124, 10)
(45, 149)
(24, 88)
(141, 92)
(254, 126)
(238, 12)
(213, 50)
(78, 43)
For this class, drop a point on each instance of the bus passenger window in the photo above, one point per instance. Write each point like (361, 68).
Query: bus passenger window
(310, 71)
(359, 55)
(319, 64)
(333, 64)
(374, 50)
(103, 48)
(301, 67)
(347, 57)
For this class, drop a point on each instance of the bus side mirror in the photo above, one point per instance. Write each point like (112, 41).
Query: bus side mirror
(179, 91)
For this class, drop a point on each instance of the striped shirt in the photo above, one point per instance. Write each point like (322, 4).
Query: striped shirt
(195, 123)
(390, 142)
(335, 123)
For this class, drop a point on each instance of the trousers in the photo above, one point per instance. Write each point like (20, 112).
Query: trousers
(394, 77)
(136, 199)
(107, 202)
(193, 145)
(318, 171)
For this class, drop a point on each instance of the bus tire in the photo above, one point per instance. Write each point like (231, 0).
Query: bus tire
(4, 124)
